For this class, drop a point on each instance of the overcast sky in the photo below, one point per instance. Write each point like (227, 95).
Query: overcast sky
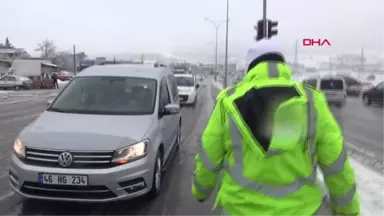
(112, 26)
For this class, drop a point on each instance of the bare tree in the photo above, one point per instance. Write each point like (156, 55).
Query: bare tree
(64, 59)
(47, 48)
(7, 44)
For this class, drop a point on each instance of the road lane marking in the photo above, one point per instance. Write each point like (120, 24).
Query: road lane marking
(7, 195)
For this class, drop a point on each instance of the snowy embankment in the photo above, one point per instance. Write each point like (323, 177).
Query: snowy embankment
(62, 84)
(370, 185)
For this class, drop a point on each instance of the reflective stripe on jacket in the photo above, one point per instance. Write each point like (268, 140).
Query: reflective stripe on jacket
(282, 179)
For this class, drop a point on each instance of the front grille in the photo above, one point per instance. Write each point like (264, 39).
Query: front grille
(183, 98)
(67, 191)
(81, 159)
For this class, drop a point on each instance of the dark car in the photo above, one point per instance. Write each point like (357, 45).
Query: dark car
(374, 95)
(354, 90)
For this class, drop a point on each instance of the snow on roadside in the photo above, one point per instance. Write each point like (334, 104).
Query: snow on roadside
(4, 92)
(62, 84)
(370, 185)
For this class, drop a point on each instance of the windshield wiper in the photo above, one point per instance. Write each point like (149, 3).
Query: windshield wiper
(57, 110)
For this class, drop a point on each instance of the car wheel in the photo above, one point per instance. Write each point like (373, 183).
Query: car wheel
(157, 177)
(366, 100)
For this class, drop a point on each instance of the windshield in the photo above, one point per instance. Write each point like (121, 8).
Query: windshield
(185, 81)
(107, 95)
(330, 84)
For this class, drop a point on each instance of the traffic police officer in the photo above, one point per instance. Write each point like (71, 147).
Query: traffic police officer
(268, 134)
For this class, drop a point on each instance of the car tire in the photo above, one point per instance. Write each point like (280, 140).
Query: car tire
(157, 177)
(366, 100)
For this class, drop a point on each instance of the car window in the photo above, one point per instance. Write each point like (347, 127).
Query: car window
(107, 95)
(11, 78)
(380, 86)
(185, 81)
(311, 82)
(4, 78)
(172, 82)
(331, 84)
(164, 94)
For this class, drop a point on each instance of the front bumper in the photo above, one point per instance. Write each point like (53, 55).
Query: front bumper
(104, 185)
(187, 98)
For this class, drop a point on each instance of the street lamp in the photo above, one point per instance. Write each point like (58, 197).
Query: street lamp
(226, 46)
(217, 26)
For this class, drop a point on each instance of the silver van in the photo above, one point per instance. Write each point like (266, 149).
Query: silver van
(334, 88)
(108, 135)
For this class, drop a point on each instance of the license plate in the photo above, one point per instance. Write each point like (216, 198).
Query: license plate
(55, 179)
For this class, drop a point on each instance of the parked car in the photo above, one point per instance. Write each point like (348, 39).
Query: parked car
(187, 87)
(108, 135)
(64, 76)
(354, 90)
(374, 95)
(334, 88)
(15, 82)
(357, 89)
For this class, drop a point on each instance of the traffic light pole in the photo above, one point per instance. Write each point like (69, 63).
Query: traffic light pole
(265, 19)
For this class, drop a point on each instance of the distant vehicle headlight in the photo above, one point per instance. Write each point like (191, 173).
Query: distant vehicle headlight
(19, 148)
(131, 153)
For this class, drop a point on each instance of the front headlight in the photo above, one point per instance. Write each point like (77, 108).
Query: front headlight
(19, 148)
(131, 153)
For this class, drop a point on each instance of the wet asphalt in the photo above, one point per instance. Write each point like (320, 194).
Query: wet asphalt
(20, 108)
(362, 127)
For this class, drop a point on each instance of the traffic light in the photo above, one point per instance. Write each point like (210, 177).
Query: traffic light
(260, 30)
(272, 28)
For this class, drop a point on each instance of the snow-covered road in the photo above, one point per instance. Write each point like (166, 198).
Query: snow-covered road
(370, 184)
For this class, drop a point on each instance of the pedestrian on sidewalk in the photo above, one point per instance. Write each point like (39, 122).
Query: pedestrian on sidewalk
(54, 80)
(267, 135)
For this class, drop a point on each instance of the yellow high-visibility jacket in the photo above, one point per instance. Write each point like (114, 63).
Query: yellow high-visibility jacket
(280, 179)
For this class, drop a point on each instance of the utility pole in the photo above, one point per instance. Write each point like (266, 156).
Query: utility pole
(265, 18)
(226, 47)
(296, 59)
(142, 58)
(362, 62)
(74, 60)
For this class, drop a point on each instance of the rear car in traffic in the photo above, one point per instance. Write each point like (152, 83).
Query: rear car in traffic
(108, 135)
(334, 88)
(187, 87)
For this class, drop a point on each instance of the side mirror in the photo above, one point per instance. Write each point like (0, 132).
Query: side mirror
(171, 109)
(197, 85)
(49, 102)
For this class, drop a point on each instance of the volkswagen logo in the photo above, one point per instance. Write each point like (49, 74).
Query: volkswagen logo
(65, 159)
